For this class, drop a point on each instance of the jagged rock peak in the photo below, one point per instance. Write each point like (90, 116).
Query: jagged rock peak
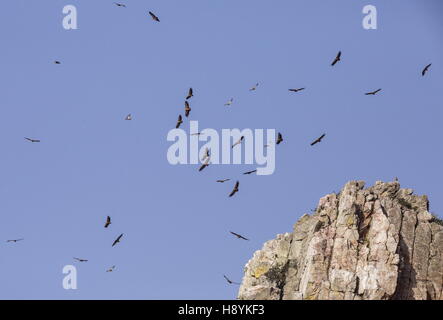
(360, 244)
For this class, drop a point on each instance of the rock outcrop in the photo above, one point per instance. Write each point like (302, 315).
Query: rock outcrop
(361, 244)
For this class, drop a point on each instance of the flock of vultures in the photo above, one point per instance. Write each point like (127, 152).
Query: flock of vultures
(207, 154)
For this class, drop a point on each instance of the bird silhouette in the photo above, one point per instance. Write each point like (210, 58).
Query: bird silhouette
(254, 87)
(120, 4)
(205, 164)
(117, 240)
(57, 62)
(111, 269)
(223, 180)
(154, 17)
(318, 139)
(230, 281)
(229, 102)
(190, 94)
(81, 260)
(426, 69)
(238, 142)
(296, 90)
(239, 236)
(337, 59)
(32, 140)
(207, 154)
(128, 117)
(15, 240)
(108, 221)
(373, 93)
(279, 138)
(235, 190)
(250, 172)
(179, 121)
(187, 109)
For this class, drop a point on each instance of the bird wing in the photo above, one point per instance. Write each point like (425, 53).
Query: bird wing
(154, 16)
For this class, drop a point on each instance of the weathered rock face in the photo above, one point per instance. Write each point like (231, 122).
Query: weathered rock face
(375, 243)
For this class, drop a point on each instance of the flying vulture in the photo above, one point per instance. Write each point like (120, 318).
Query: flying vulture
(120, 4)
(187, 109)
(254, 87)
(296, 90)
(32, 140)
(179, 121)
(229, 102)
(373, 93)
(108, 221)
(250, 172)
(238, 142)
(318, 139)
(206, 155)
(426, 69)
(223, 180)
(57, 62)
(229, 281)
(337, 59)
(190, 94)
(279, 138)
(238, 235)
(15, 240)
(235, 190)
(117, 240)
(111, 269)
(154, 17)
(81, 260)
(205, 164)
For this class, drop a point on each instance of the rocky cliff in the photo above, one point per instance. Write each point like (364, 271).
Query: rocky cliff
(360, 244)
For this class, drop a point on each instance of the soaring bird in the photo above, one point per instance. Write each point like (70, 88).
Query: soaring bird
(426, 69)
(128, 117)
(238, 235)
(238, 142)
(108, 221)
(179, 121)
(337, 59)
(15, 240)
(254, 87)
(207, 154)
(229, 102)
(223, 180)
(373, 93)
(250, 172)
(57, 62)
(32, 140)
(187, 109)
(318, 139)
(205, 164)
(296, 90)
(81, 260)
(120, 4)
(235, 190)
(230, 281)
(117, 240)
(111, 269)
(279, 138)
(154, 17)
(197, 134)
(190, 94)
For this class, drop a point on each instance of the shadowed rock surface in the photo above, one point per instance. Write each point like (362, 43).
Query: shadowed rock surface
(361, 244)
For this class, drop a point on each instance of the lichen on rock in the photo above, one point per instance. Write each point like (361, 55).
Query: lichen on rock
(361, 244)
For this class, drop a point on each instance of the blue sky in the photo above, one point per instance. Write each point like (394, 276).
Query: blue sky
(91, 163)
